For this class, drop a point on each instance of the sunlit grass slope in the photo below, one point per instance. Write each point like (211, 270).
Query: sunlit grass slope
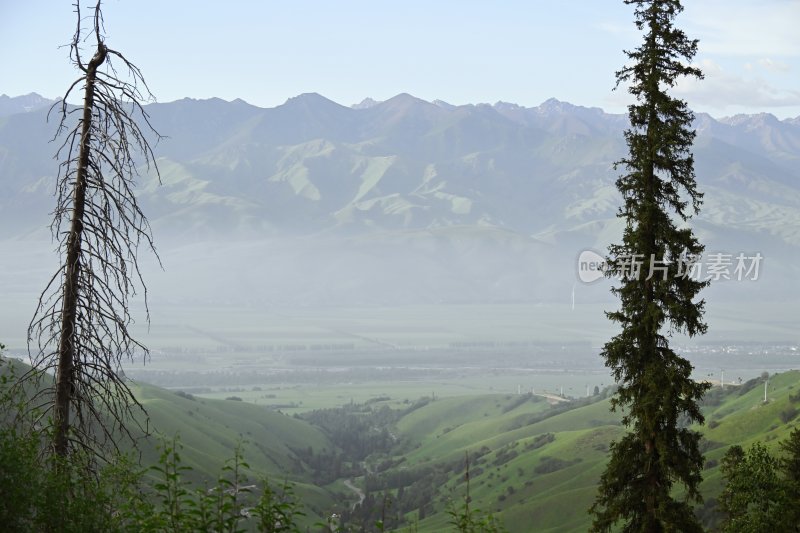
(539, 473)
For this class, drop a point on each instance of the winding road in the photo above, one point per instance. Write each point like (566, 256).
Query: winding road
(358, 491)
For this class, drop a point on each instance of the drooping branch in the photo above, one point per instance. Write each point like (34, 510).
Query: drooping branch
(81, 328)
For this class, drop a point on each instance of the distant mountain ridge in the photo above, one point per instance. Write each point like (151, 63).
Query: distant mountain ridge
(532, 185)
(22, 104)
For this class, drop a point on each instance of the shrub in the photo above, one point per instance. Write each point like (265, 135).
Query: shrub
(186, 395)
(548, 465)
(788, 414)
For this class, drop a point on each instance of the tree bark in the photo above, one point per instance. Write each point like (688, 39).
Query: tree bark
(65, 381)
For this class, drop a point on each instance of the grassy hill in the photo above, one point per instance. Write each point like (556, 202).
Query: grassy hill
(536, 468)
(209, 431)
(534, 463)
(530, 462)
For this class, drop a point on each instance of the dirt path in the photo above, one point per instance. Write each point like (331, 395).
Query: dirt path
(552, 398)
(358, 491)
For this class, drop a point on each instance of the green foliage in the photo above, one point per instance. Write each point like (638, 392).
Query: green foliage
(229, 506)
(43, 492)
(548, 465)
(790, 464)
(466, 520)
(470, 520)
(788, 414)
(72, 495)
(400, 487)
(172, 491)
(656, 390)
(358, 429)
(754, 498)
(228, 495)
(277, 510)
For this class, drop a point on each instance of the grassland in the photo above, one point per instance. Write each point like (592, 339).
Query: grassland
(550, 487)
(533, 462)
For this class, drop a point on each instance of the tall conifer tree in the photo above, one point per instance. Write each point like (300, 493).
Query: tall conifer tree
(656, 392)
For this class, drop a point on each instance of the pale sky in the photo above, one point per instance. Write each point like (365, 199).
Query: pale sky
(460, 51)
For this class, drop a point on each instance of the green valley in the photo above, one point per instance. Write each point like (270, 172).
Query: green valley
(530, 461)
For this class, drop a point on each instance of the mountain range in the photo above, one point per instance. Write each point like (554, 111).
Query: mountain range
(468, 202)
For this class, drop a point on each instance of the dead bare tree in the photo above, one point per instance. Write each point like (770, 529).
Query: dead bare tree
(81, 325)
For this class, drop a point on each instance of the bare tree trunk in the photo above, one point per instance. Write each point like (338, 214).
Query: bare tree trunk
(82, 322)
(65, 379)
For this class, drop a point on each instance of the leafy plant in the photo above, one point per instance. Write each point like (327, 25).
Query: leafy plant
(471, 520)
(754, 497)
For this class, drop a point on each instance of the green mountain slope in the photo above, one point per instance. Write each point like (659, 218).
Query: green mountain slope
(209, 431)
(249, 181)
(533, 462)
(536, 468)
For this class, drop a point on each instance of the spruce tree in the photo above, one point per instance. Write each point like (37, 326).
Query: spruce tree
(656, 392)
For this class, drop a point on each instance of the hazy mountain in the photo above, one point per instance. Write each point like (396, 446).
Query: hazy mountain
(480, 200)
(22, 104)
(365, 103)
